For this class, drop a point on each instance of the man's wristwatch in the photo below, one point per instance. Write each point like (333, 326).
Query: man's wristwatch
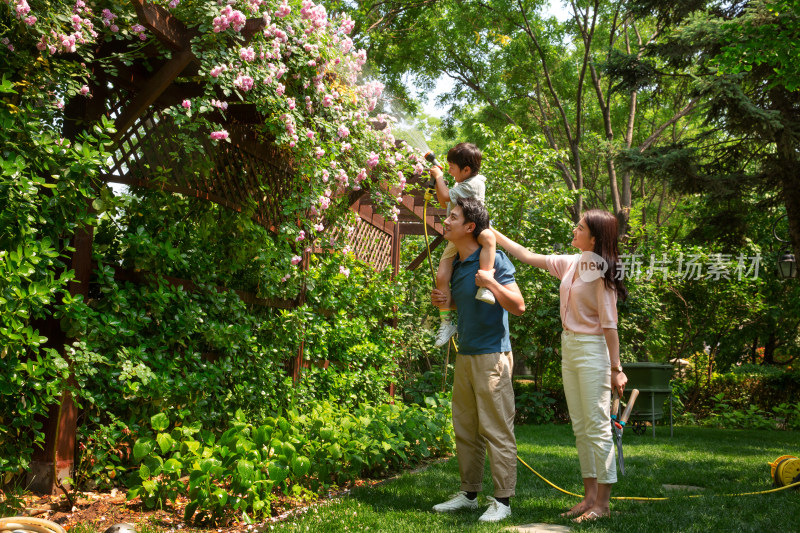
(617, 368)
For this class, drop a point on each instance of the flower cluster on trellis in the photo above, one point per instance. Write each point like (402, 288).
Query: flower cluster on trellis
(301, 70)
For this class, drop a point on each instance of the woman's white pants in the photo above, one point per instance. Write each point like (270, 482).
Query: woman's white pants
(586, 372)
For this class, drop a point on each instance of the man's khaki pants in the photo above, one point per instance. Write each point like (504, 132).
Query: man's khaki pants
(483, 420)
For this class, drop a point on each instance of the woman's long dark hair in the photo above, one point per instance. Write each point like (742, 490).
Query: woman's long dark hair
(602, 225)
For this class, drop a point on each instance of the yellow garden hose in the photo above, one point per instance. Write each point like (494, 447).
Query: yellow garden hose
(27, 523)
(643, 499)
(428, 197)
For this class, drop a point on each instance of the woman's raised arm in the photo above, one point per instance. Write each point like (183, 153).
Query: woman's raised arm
(519, 251)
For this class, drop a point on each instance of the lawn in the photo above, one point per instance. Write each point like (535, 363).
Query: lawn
(720, 461)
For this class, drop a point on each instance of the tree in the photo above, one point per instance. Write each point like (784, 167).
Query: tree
(742, 57)
(512, 66)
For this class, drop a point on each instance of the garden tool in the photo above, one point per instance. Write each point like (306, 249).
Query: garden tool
(618, 423)
(785, 470)
(430, 157)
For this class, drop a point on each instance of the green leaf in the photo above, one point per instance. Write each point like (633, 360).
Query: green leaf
(245, 470)
(221, 497)
(142, 448)
(159, 422)
(165, 442)
(300, 465)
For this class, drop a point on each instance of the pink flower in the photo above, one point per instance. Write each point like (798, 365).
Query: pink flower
(325, 175)
(296, 259)
(283, 10)
(219, 135)
(216, 71)
(114, 28)
(301, 236)
(285, 278)
(137, 28)
(344, 271)
(291, 103)
(30, 21)
(310, 134)
(174, 3)
(186, 104)
(347, 24)
(343, 131)
(373, 160)
(247, 54)
(319, 152)
(85, 90)
(319, 227)
(22, 8)
(280, 89)
(243, 82)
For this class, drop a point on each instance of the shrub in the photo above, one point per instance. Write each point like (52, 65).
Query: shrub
(299, 454)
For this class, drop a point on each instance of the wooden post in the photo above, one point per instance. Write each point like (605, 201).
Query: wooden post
(56, 460)
(396, 238)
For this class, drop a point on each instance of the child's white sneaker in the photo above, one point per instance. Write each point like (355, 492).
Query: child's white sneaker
(485, 295)
(446, 330)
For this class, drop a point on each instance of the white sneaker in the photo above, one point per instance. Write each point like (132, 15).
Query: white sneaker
(459, 501)
(485, 295)
(446, 330)
(496, 511)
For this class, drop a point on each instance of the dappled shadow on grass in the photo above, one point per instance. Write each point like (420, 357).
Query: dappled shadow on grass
(720, 461)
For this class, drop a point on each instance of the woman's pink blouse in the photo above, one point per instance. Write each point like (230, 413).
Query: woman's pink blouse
(585, 307)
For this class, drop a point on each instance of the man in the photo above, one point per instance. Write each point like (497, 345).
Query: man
(483, 398)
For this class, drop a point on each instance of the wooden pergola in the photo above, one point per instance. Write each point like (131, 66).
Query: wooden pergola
(245, 171)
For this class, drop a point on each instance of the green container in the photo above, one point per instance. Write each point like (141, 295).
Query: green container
(652, 380)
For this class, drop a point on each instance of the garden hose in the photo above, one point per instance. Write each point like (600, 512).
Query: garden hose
(643, 499)
(27, 523)
(429, 192)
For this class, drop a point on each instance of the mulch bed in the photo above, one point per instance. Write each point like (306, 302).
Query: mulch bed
(104, 509)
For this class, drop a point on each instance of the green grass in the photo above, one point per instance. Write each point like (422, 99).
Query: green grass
(720, 461)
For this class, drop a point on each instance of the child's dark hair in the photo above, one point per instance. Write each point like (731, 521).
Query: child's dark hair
(466, 155)
(475, 212)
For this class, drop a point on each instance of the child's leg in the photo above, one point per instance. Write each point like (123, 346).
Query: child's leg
(446, 329)
(488, 243)
(443, 275)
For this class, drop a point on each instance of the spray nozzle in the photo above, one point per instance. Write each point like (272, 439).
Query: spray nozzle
(430, 157)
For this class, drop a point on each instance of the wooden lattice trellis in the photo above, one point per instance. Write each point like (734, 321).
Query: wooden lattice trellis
(246, 172)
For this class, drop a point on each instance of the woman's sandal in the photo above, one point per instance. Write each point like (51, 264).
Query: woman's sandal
(588, 517)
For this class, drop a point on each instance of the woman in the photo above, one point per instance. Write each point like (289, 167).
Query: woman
(590, 364)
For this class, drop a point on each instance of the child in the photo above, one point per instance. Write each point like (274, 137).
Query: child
(464, 162)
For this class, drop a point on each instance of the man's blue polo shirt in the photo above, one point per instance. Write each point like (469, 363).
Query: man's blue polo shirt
(482, 328)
